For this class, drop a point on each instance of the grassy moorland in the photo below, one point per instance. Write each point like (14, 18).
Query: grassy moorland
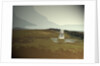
(38, 44)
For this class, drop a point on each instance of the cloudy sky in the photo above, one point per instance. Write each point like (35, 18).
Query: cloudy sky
(69, 17)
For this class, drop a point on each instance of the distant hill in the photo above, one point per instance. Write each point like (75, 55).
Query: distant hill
(19, 28)
(28, 17)
(72, 33)
(19, 23)
(75, 34)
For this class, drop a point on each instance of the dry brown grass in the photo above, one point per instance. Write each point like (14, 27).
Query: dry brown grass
(37, 44)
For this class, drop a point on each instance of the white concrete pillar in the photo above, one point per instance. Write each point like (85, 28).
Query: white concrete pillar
(61, 35)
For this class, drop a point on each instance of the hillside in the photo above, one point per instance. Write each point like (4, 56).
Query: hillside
(39, 44)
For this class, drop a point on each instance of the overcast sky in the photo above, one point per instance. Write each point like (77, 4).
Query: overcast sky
(69, 17)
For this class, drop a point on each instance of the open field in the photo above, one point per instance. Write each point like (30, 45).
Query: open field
(38, 44)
